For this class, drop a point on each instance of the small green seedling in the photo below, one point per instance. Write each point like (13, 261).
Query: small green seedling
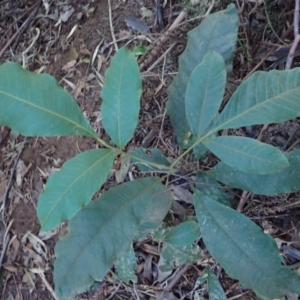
(101, 232)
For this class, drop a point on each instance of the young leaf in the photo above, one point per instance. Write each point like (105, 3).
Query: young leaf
(218, 32)
(121, 94)
(69, 189)
(284, 181)
(183, 234)
(265, 97)
(103, 229)
(247, 155)
(34, 104)
(204, 93)
(241, 247)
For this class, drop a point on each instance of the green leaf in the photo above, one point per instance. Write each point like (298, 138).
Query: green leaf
(121, 94)
(284, 181)
(160, 233)
(34, 104)
(214, 288)
(183, 234)
(199, 150)
(241, 247)
(126, 265)
(141, 157)
(71, 188)
(204, 93)
(208, 186)
(247, 155)
(265, 97)
(218, 32)
(175, 256)
(102, 230)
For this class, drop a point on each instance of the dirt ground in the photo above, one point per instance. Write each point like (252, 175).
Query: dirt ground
(75, 46)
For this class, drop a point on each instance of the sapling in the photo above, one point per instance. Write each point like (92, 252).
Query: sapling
(101, 232)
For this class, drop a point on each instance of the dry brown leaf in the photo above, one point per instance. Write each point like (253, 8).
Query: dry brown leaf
(69, 65)
(121, 173)
(79, 87)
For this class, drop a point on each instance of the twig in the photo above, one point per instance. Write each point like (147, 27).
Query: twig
(20, 31)
(296, 18)
(9, 183)
(135, 292)
(245, 196)
(174, 280)
(6, 236)
(263, 130)
(30, 46)
(296, 37)
(111, 26)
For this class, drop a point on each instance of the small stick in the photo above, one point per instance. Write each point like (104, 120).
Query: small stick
(6, 236)
(112, 27)
(296, 35)
(174, 280)
(21, 29)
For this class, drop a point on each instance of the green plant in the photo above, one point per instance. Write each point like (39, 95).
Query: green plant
(101, 231)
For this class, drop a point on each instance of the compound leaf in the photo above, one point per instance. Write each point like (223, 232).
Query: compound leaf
(121, 94)
(102, 230)
(285, 181)
(204, 93)
(243, 249)
(71, 188)
(265, 97)
(247, 155)
(218, 32)
(34, 104)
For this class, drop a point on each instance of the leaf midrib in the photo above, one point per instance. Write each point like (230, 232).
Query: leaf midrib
(77, 125)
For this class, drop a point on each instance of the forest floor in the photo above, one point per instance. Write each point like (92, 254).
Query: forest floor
(75, 46)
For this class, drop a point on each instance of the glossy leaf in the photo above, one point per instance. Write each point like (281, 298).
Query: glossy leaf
(71, 188)
(183, 234)
(265, 97)
(247, 155)
(204, 93)
(121, 94)
(103, 229)
(285, 181)
(34, 104)
(243, 249)
(218, 32)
